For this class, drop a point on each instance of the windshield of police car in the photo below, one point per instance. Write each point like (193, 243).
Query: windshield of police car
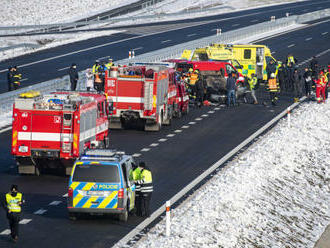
(96, 173)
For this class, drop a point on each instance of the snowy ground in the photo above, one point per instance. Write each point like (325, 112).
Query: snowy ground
(275, 194)
(20, 13)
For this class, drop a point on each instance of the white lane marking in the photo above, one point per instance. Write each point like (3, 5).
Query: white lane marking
(192, 123)
(165, 41)
(138, 48)
(154, 144)
(170, 135)
(216, 108)
(178, 131)
(162, 140)
(65, 195)
(5, 129)
(136, 155)
(40, 211)
(254, 20)
(5, 232)
(145, 35)
(103, 57)
(189, 35)
(235, 25)
(198, 119)
(324, 33)
(318, 55)
(307, 39)
(65, 68)
(211, 112)
(145, 150)
(292, 45)
(55, 203)
(185, 127)
(200, 178)
(273, 52)
(25, 221)
(205, 115)
(24, 79)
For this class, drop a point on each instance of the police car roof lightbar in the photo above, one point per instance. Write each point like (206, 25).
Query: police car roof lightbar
(103, 152)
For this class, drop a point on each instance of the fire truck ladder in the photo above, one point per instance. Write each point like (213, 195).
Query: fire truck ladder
(66, 125)
(148, 95)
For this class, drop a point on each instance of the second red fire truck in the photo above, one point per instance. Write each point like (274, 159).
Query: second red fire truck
(145, 93)
(53, 130)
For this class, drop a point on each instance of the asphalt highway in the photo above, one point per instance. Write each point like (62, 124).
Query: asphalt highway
(53, 63)
(193, 143)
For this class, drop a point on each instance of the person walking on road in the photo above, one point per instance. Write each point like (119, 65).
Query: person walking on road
(199, 86)
(253, 81)
(17, 76)
(308, 82)
(273, 87)
(12, 204)
(10, 78)
(231, 89)
(297, 86)
(89, 79)
(73, 73)
(314, 67)
(291, 60)
(146, 189)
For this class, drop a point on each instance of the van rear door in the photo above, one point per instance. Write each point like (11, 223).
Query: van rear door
(95, 185)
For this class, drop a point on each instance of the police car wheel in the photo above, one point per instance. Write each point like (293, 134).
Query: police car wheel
(124, 216)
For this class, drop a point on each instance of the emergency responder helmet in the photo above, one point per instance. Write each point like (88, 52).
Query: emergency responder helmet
(196, 71)
(190, 70)
(14, 187)
(110, 59)
(252, 75)
(142, 164)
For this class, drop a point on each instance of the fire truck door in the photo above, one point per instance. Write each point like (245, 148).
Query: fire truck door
(148, 95)
(46, 131)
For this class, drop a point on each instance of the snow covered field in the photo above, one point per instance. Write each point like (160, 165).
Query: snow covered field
(275, 194)
(36, 12)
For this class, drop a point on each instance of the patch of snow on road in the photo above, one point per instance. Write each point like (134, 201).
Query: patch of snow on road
(275, 194)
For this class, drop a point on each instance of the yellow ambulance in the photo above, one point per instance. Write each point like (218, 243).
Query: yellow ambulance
(247, 59)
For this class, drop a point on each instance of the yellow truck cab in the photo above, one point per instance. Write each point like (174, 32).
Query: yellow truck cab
(247, 59)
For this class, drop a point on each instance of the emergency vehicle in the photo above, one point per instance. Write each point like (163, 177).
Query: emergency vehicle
(101, 182)
(146, 93)
(51, 131)
(247, 59)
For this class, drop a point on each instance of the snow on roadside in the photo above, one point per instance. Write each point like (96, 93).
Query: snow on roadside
(275, 194)
(5, 119)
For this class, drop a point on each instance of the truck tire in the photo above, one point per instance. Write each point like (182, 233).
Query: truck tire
(29, 169)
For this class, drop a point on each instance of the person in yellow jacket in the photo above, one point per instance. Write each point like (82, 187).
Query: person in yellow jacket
(291, 60)
(253, 81)
(13, 202)
(136, 175)
(109, 64)
(146, 189)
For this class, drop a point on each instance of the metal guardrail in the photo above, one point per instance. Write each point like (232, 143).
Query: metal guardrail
(90, 24)
(7, 99)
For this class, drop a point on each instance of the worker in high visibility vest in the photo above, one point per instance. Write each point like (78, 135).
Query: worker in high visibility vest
(13, 202)
(326, 79)
(253, 81)
(290, 60)
(138, 197)
(146, 189)
(17, 76)
(273, 85)
(109, 64)
(95, 67)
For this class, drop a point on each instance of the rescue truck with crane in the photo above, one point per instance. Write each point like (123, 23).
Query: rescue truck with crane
(51, 131)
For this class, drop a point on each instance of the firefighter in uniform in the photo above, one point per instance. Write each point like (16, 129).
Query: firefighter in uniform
(272, 86)
(320, 86)
(16, 78)
(146, 189)
(137, 177)
(13, 202)
(326, 79)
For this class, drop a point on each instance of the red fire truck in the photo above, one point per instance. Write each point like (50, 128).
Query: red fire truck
(146, 93)
(51, 131)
